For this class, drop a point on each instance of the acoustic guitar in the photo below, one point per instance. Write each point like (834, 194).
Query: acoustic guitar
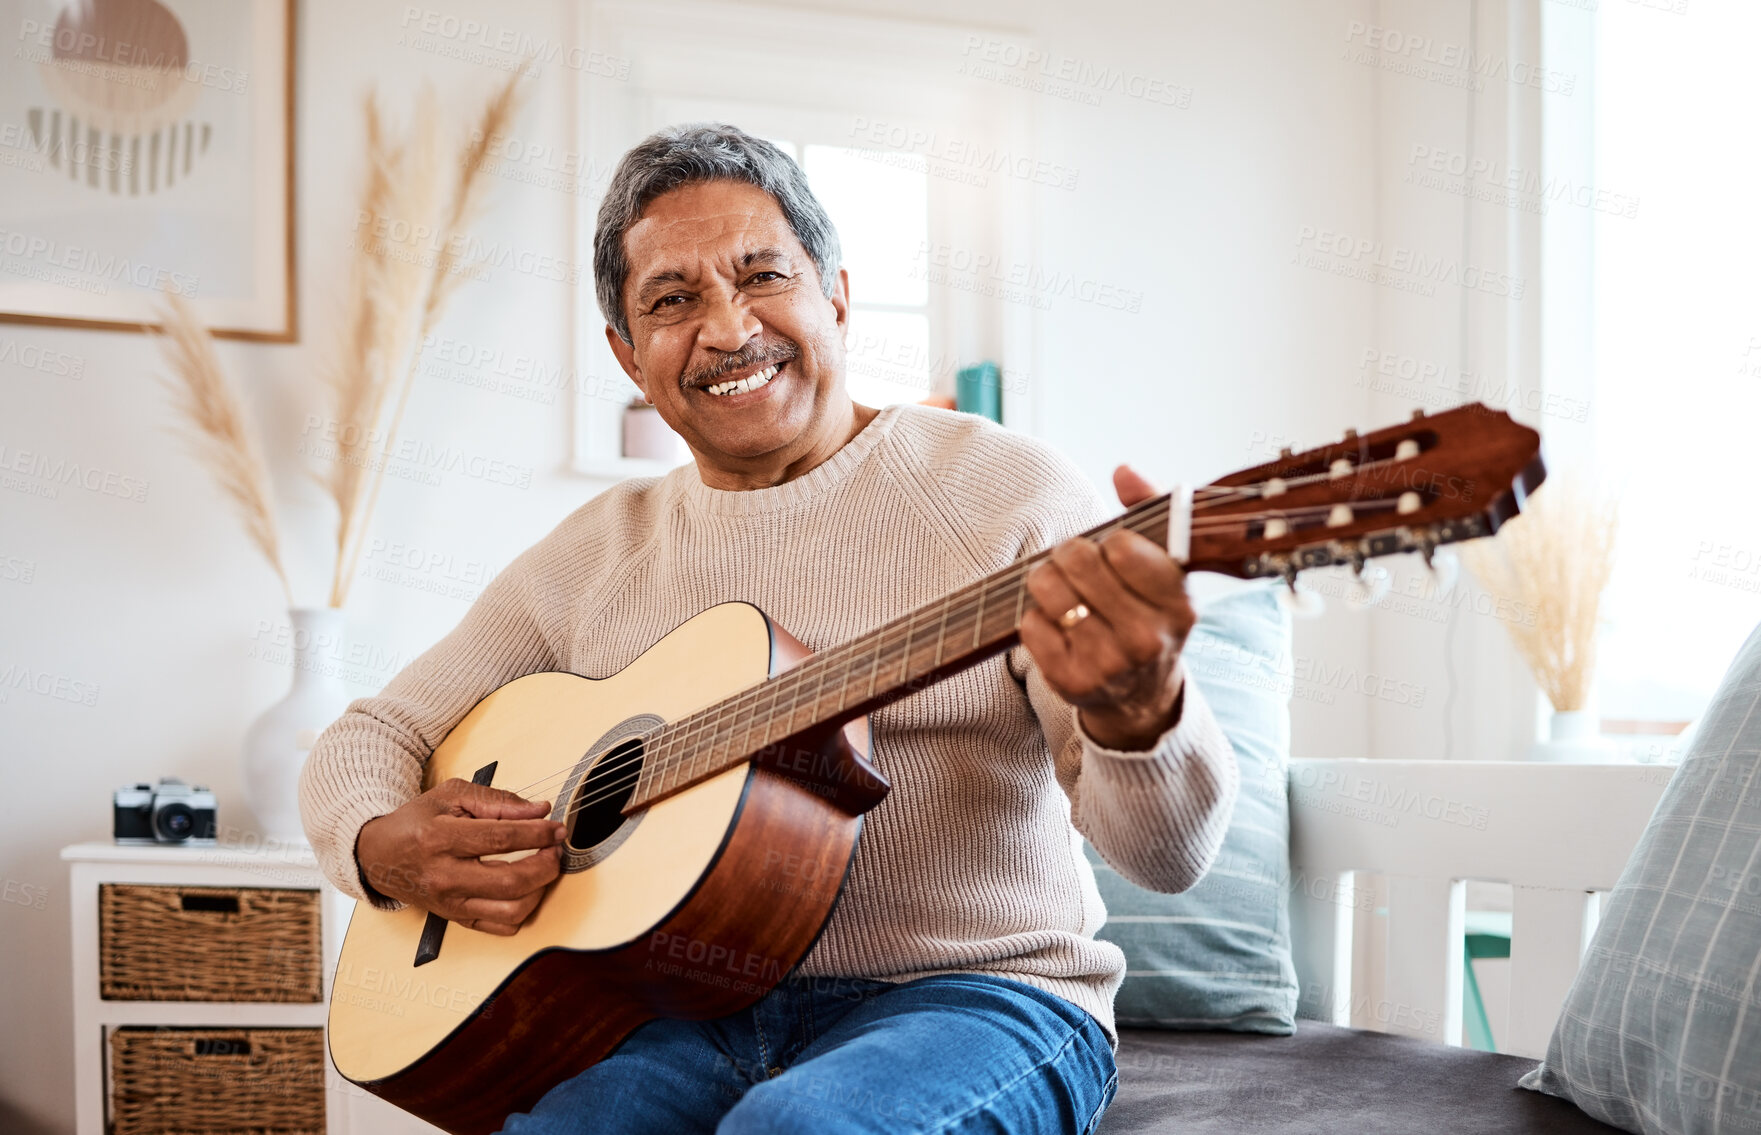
(713, 790)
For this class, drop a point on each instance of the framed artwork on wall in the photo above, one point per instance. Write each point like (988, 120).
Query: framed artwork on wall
(147, 146)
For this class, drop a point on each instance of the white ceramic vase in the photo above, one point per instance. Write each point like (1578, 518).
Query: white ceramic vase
(1574, 736)
(277, 742)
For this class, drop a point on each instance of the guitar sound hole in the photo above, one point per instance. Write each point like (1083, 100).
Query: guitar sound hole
(596, 811)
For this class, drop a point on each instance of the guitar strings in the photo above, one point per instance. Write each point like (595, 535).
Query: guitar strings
(890, 651)
(594, 781)
(1149, 514)
(821, 661)
(687, 729)
(610, 777)
(825, 659)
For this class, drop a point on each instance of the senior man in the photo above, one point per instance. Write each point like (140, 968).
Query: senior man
(958, 985)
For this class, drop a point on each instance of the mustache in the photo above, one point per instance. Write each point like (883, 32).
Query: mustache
(748, 356)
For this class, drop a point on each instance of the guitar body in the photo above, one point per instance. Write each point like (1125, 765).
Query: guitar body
(691, 908)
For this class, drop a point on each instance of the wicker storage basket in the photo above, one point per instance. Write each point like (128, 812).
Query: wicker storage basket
(201, 1081)
(208, 943)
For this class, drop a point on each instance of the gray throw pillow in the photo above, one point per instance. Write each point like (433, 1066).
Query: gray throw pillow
(1218, 955)
(1661, 1031)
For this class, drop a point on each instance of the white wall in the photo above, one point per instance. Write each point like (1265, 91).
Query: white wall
(160, 603)
(1235, 352)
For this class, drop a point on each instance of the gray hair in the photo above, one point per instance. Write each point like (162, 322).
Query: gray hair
(702, 151)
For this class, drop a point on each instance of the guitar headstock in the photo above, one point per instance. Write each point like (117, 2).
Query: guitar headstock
(1436, 479)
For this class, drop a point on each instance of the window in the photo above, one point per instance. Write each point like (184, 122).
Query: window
(879, 201)
(1676, 345)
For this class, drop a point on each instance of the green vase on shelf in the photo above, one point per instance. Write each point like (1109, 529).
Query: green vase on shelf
(979, 390)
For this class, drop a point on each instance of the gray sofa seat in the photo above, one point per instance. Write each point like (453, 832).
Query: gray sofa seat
(1326, 1079)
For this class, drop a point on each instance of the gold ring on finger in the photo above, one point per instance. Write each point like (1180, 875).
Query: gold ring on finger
(1073, 616)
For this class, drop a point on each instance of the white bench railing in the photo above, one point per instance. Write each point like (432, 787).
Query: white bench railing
(1556, 833)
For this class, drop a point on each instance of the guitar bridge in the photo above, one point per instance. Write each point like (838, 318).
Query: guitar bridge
(434, 930)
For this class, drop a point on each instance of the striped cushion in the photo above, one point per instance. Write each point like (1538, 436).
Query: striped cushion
(1661, 1031)
(1218, 956)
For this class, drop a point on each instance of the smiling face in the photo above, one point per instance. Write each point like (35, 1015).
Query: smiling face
(733, 338)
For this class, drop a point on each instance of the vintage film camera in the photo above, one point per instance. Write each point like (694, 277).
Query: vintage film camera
(169, 812)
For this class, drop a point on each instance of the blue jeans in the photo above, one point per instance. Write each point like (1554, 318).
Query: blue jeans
(951, 1053)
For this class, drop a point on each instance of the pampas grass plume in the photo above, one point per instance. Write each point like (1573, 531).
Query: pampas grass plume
(402, 274)
(1554, 560)
(215, 427)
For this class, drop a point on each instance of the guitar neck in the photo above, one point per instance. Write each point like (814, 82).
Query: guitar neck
(1433, 480)
(846, 682)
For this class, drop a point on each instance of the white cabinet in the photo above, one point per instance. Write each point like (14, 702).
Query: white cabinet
(190, 871)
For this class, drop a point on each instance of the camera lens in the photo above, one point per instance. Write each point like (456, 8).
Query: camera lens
(175, 822)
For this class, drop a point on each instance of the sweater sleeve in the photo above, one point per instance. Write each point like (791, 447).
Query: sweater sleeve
(370, 760)
(1157, 816)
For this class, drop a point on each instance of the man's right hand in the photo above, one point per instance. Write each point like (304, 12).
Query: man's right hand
(429, 852)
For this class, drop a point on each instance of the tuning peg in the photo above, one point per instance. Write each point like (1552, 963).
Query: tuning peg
(1300, 601)
(1445, 569)
(1369, 586)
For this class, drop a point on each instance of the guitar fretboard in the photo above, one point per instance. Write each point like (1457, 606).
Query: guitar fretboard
(845, 682)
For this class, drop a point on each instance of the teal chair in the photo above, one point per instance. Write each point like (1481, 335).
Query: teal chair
(1486, 934)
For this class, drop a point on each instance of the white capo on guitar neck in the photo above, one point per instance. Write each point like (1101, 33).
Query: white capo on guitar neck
(1180, 523)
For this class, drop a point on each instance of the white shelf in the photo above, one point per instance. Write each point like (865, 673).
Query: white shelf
(215, 1014)
(224, 855)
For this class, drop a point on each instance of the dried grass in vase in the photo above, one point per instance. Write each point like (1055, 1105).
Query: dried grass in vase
(1554, 559)
(215, 426)
(420, 196)
(405, 267)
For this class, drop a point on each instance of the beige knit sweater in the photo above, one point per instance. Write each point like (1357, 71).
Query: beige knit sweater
(972, 864)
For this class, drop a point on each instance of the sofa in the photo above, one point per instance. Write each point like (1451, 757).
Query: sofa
(1559, 834)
